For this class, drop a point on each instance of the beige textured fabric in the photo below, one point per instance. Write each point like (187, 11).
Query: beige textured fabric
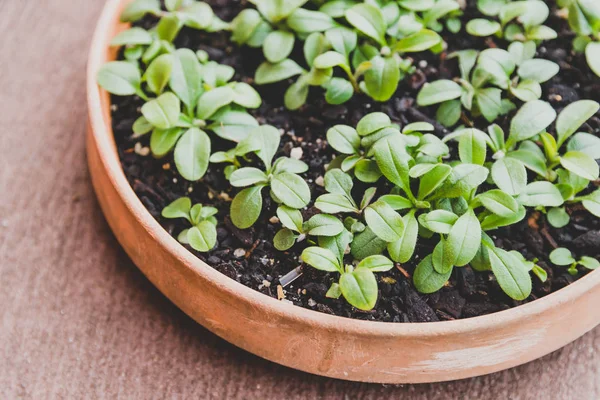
(78, 320)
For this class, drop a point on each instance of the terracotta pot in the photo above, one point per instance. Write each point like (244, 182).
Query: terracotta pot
(304, 339)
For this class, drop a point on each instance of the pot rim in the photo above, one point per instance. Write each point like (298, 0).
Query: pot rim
(103, 136)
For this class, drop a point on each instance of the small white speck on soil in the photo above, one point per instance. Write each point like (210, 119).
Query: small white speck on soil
(320, 181)
(239, 253)
(273, 220)
(174, 180)
(311, 303)
(296, 153)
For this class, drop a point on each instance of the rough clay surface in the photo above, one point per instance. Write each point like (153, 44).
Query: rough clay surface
(78, 320)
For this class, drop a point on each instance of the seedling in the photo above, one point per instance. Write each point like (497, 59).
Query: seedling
(296, 230)
(487, 86)
(584, 19)
(332, 34)
(517, 20)
(191, 97)
(357, 283)
(202, 236)
(286, 186)
(564, 257)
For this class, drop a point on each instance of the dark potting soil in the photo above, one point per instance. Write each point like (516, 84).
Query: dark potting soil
(249, 257)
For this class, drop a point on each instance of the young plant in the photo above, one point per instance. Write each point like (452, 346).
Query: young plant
(330, 43)
(286, 186)
(202, 236)
(357, 284)
(564, 257)
(518, 20)
(584, 20)
(191, 97)
(143, 45)
(487, 86)
(296, 230)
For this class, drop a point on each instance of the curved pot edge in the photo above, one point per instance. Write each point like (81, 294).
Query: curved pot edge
(100, 139)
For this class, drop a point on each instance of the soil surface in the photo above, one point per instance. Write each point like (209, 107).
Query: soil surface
(249, 257)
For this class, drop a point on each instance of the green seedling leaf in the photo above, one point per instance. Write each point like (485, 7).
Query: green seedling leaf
(246, 207)
(159, 72)
(120, 77)
(192, 154)
(366, 244)
(244, 25)
(321, 259)
(543, 194)
(306, 21)
(278, 45)
(131, 37)
(339, 91)
(538, 70)
(438, 221)
(210, 102)
(433, 179)
(186, 77)
(179, 208)
(499, 202)
(463, 240)
(509, 175)
(592, 55)
(482, 27)
(232, 125)
(199, 15)
(369, 20)
(245, 95)
(163, 112)
(247, 176)
(290, 218)
(382, 78)
(580, 164)
(572, 117)
(384, 221)
(591, 203)
(377, 263)
(269, 73)
(344, 139)
(337, 244)
(533, 118)
(439, 92)
(585, 143)
(291, 189)
(343, 40)
(296, 95)
(558, 217)
(511, 273)
(203, 236)
(562, 257)
(403, 249)
(264, 140)
(163, 141)
(418, 41)
(397, 202)
(138, 8)
(359, 288)
(393, 161)
(472, 147)
(284, 239)
(372, 122)
(334, 203)
(367, 171)
(589, 262)
(323, 225)
(168, 27)
(427, 279)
